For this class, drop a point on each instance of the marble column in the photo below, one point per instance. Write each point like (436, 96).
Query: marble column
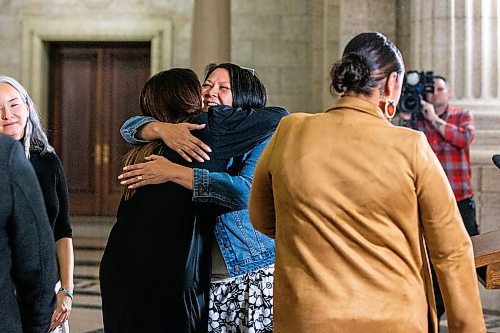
(211, 42)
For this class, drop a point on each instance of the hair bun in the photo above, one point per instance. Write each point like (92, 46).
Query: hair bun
(350, 73)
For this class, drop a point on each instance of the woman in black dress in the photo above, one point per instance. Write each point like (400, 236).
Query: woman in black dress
(155, 271)
(19, 120)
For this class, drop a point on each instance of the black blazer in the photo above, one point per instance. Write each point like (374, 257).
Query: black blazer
(27, 250)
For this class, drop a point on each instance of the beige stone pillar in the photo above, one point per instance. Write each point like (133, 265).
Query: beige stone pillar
(211, 42)
(458, 39)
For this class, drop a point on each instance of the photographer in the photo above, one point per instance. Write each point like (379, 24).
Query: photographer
(450, 131)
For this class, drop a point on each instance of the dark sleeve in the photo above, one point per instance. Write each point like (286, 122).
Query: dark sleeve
(34, 270)
(62, 226)
(235, 131)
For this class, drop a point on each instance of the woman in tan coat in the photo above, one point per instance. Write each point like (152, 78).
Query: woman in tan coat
(352, 200)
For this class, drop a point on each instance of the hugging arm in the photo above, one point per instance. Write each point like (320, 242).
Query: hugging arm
(230, 191)
(178, 137)
(156, 170)
(248, 130)
(221, 188)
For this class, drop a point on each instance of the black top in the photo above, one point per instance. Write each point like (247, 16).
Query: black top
(50, 174)
(155, 269)
(27, 251)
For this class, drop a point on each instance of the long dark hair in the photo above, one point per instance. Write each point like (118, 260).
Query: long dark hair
(171, 96)
(248, 91)
(367, 61)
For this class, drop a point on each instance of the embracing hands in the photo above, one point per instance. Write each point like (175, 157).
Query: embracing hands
(156, 170)
(178, 137)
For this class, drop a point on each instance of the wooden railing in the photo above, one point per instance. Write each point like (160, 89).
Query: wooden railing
(487, 254)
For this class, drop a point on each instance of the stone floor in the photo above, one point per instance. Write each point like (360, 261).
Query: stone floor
(90, 235)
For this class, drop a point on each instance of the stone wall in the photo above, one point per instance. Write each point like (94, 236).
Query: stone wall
(274, 37)
(293, 43)
(13, 13)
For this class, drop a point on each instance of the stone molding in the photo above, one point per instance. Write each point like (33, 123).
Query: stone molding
(37, 33)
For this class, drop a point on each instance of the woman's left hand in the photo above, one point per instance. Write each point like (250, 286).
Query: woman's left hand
(62, 311)
(154, 171)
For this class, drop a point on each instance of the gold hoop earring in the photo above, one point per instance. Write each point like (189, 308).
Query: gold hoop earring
(390, 108)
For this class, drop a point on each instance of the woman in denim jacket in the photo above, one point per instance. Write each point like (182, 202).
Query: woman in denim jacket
(242, 258)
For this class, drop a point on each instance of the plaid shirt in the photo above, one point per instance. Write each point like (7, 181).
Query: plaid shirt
(452, 150)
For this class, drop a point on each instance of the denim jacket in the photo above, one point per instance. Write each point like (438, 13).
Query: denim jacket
(243, 248)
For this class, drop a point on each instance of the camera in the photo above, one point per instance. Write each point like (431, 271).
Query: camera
(415, 87)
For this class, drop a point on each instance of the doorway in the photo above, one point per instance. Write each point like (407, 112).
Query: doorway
(94, 88)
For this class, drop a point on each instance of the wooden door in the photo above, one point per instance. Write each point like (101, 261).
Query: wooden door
(94, 88)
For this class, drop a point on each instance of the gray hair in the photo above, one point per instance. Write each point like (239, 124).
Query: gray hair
(34, 137)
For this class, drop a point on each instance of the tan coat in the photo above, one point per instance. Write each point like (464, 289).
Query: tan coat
(343, 193)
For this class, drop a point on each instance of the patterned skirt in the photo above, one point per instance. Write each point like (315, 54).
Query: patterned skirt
(243, 303)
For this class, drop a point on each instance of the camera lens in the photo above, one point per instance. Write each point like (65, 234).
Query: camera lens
(411, 103)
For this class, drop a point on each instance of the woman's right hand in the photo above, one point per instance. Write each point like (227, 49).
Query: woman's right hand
(178, 137)
(156, 170)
